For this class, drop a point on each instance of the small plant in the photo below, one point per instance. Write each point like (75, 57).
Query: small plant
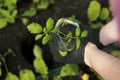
(97, 15)
(42, 69)
(65, 38)
(8, 12)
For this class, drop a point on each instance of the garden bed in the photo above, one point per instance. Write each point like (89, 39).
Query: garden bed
(17, 38)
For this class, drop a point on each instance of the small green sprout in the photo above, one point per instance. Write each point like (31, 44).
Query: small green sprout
(64, 38)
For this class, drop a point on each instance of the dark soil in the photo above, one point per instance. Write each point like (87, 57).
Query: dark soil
(16, 37)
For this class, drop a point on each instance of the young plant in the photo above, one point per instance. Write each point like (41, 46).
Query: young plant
(64, 38)
(9, 76)
(67, 70)
(39, 63)
(8, 12)
(97, 15)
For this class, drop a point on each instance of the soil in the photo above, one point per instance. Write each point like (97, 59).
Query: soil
(16, 37)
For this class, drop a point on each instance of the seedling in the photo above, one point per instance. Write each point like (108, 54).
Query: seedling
(64, 38)
(8, 12)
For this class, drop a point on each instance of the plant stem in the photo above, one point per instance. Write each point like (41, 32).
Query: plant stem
(8, 52)
(4, 63)
(62, 41)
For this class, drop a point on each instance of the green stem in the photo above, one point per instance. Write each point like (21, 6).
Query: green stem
(8, 52)
(4, 63)
(62, 41)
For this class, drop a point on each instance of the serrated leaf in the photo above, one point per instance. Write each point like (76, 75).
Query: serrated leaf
(63, 53)
(104, 15)
(3, 23)
(49, 24)
(30, 13)
(38, 36)
(93, 10)
(69, 70)
(78, 43)
(77, 32)
(6, 14)
(37, 51)
(45, 39)
(40, 66)
(27, 74)
(34, 28)
(11, 76)
(84, 34)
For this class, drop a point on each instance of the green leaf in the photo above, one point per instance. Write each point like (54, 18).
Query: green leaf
(116, 53)
(38, 36)
(49, 24)
(57, 77)
(11, 5)
(69, 70)
(63, 53)
(36, 1)
(84, 34)
(70, 49)
(69, 35)
(93, 10)
(45, 39)
(78, 43)
(74, 19)
(6, 14)
(27, 74)
(61, 22)
(44, 30)
(37, 51)
(14, 13)
(24, 21)
(55, 30)
(34, 28)
(3, 23)
(77, 32)
(11, 76)
(40, 66)
(104, 14)
(43, 4)
(96, 25)
(30, 13)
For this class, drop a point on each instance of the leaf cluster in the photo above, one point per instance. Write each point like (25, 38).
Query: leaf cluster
(8, 12)
(97, 14)
(64, 38)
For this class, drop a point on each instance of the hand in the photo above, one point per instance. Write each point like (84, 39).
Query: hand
(74, 56)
